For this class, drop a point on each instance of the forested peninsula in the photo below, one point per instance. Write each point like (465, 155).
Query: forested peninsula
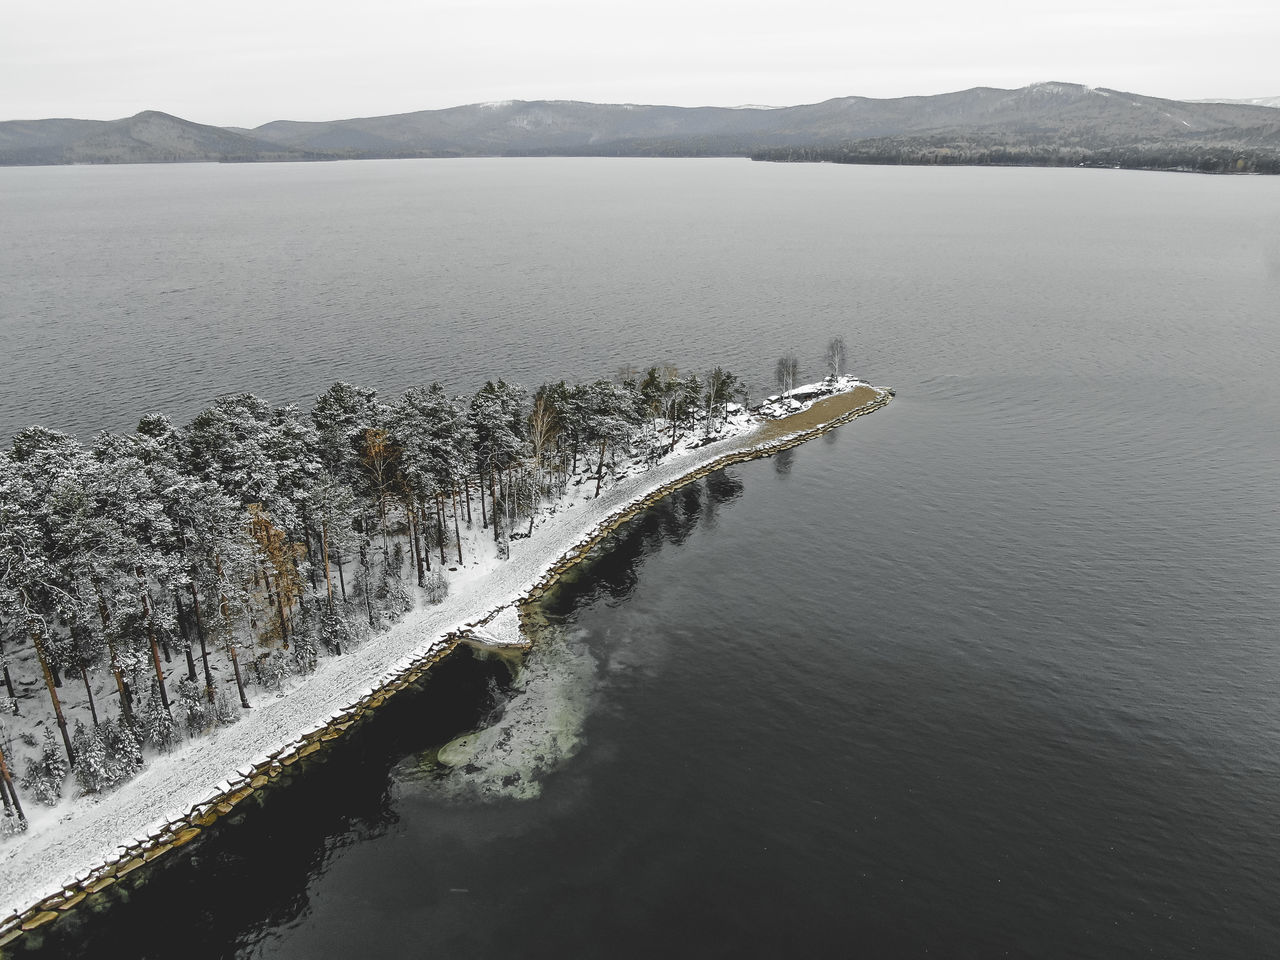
(178, 602)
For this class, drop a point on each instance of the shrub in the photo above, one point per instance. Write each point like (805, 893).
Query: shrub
(224, 711)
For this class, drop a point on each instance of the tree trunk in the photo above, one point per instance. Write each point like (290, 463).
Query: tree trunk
(204, 647)
(155, 649)
(416, 534)
(284, 621)
(457, 534)
(235, 667)
(342, 580)
(53, 692)
(266, 584)
(368, 593)
(493, 493)
(421, 517)
(466, 490)
(484, 520)
(126, 698)
(306, 539)
(93, 710)
(382, 520)
(440, 529)
(185, 630)
(324, 549)
(600, 473)
(6, 788)
(224, 607)
(8, 680)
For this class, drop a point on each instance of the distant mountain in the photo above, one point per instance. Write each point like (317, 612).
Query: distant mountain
(1056, 124)
(1040, 118)
(1056, 110)
(149, 137)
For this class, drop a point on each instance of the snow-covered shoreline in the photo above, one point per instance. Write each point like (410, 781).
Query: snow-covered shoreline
(77, 841)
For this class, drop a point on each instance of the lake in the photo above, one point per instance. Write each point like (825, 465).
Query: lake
(993, 671)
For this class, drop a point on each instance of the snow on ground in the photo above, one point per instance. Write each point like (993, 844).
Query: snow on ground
(69, 840)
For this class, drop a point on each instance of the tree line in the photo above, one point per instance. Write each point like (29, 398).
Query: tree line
(973, 151)
(264, 537)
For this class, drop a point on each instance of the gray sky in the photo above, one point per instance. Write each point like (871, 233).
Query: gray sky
(244, 62)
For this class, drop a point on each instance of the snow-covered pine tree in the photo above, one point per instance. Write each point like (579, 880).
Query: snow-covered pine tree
(122, 750)
(498, 419)
(335, 632)
(91, 759)
(224, 711)
(273, 668)
(158, 727)
(436, 586)
(393, 598)
(332, 507)
(47, 774)
(305, 653)
(192, 709)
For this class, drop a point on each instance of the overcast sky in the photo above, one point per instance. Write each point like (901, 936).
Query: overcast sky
(237, 62)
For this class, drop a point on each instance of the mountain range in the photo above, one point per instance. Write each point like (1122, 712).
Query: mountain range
(1050, 116)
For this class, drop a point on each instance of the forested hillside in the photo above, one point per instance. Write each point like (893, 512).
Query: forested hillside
(990, 151)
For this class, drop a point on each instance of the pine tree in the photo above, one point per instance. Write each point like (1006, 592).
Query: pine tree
(336, 633)
(122, 750)
(158, 727)
(273, 668)
(47, 775)
(436, 586)
(224, 711)
(12, 818)
(192, 709)
(305, 654)
(91, 759)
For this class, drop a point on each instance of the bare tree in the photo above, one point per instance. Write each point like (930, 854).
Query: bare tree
(837, 356)
(544, 428)
(787, 372)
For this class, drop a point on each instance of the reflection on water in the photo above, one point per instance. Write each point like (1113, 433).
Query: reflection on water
(610, 572)
(252, 873)
(536, 722)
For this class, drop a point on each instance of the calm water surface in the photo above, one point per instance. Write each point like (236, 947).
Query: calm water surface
(992, 672)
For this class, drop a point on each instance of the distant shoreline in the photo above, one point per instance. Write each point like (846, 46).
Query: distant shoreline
(1211, 164)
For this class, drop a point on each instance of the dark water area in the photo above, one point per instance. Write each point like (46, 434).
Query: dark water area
(991, 672)
(253, 870)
